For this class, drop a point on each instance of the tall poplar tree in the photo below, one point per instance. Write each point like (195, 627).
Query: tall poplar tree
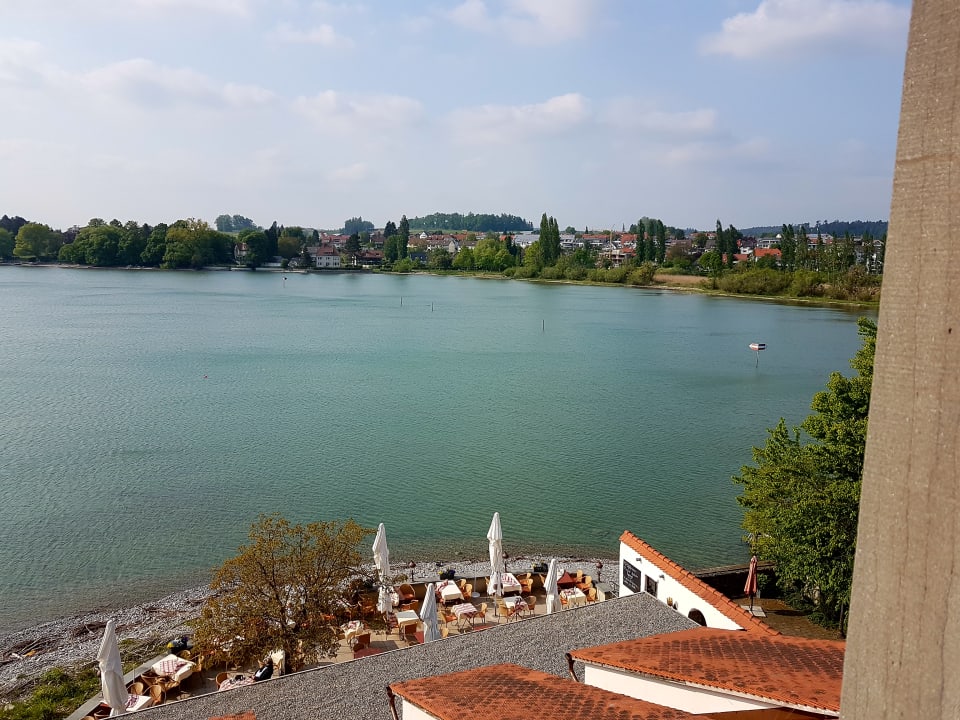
(403, 233)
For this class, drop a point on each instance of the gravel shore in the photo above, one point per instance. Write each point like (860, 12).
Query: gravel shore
(73, 641)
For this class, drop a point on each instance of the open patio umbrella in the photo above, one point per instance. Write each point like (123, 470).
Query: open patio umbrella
(381, 558)
(550, 586)
(495, 538)
(428, 613)
(750, 588)
(111, 671)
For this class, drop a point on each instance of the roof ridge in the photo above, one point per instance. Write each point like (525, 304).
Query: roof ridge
(699, 587)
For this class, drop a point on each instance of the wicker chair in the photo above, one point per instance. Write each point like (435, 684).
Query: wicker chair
(136, 688)
(156, 692)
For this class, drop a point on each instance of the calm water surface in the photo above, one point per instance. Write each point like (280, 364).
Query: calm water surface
(149, 417)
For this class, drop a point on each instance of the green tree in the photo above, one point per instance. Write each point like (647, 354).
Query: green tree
(356, 225)
(33, 241)
(661, 243)
(352, 245)
(278, 590)
(224, 223)
(464, 260)
(156, 246)
(7, 243)
(533, 256)
(801, 499)
(391, 249)
(712, 263)
(258, 251)
(193, 243)
(439, 259)
(288, 246)
(403, 233)
(133, 241)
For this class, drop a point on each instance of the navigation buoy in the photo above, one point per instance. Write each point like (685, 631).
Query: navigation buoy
(757, 347)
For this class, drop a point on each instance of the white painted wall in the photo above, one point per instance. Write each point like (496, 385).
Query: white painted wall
(409, 711)
(682, 697)
(668, 587)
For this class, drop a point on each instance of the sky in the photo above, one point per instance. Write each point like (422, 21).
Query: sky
(309, 112)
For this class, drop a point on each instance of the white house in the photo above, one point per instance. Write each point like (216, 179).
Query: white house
(644, 569)
(325, 256)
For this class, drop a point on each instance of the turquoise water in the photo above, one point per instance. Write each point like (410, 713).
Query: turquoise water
(149, 417)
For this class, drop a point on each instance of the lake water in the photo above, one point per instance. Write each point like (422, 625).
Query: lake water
(149, 417)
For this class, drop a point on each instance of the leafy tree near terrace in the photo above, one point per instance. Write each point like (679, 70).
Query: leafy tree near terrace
(280, 591)
(801, 499)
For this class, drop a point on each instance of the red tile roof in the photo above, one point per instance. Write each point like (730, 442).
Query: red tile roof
(795, 672)
(764, 252)
(511, 692)
(715, 598)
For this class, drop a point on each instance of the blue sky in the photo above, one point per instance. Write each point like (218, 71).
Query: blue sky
(309, 112)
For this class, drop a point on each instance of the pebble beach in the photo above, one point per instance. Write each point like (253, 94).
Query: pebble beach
(73, 641)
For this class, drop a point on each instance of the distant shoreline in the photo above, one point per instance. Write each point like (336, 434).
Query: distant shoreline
(689, 284)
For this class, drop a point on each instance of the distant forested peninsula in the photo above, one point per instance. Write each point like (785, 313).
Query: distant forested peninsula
(471, 222)
(837, 228)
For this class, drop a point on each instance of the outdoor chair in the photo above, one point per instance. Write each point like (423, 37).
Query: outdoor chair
(505, 612)
(221, 677)
(157, 694)
(531, 605)
(526, 585)
(410, 634)
(447, 616)
(591, 595)
(467, 591)
(406, 593)
(136, 688)
(360, 641)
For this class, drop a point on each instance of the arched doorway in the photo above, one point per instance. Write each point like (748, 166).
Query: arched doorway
(697, 617)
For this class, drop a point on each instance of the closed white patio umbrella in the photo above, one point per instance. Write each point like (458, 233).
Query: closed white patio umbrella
(111, 671)
(428, 614)
(495, 539)
(550, 586)
(381, 558)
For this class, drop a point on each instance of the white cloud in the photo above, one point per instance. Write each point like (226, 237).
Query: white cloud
(24, 63)
(782, 27)
(498, 124)
(539, 22)
(351, 173)
(144, 82)
(701, 154)
(323, 35)
(111, 9)
(341, 112)
(634, 115)
(338, 8)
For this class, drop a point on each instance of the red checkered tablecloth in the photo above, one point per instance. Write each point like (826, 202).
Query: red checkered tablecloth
(170, 667)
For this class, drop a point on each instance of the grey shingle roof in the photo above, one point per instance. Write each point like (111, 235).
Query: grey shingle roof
(357, 689)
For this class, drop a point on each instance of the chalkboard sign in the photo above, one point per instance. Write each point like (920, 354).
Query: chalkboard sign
(632, 577)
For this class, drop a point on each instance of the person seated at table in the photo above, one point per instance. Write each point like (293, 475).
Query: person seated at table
(265, 671)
